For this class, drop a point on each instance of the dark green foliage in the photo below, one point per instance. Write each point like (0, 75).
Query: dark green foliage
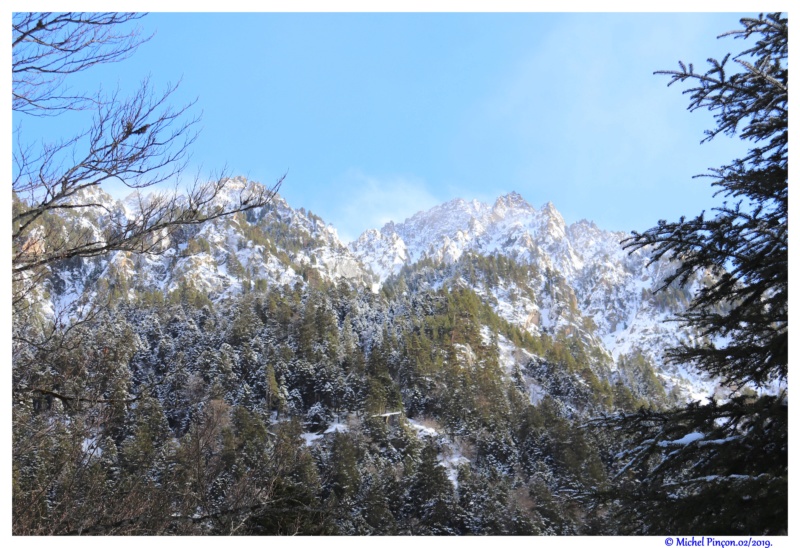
(489, 506)
(345, 476)
(722, 468)
(725, 474)
(381, 496)
(431, 497)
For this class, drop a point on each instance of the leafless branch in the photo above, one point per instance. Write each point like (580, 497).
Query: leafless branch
(48, 46)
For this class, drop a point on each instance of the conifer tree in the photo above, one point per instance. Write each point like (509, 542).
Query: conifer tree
(432, 495)
(721, 467)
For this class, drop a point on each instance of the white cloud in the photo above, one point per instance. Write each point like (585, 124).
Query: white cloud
(374, 201)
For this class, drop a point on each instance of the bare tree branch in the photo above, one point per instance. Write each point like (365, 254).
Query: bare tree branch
(46, 47)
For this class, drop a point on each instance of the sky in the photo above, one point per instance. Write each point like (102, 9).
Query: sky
(373, 117)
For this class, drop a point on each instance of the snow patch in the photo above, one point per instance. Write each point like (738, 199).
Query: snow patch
(685, 440)
(310, 438)
(337, 427)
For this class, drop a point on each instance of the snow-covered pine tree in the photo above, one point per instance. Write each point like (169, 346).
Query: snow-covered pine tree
(721, 467)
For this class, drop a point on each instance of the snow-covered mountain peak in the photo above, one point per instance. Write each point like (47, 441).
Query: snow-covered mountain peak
(511, 205)
(235, 191)
(510, 226)
(92, 195)
(553, 216)
(512, 200)
(386, 230)
(445, 219)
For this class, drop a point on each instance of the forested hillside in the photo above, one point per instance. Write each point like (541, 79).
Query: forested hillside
(256, 377)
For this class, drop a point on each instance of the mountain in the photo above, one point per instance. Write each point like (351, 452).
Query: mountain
(274, 245)
(583, 275)
(432, 377)
(579, 281)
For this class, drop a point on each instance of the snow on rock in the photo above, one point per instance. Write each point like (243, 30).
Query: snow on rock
(587, 283)
(451, 459)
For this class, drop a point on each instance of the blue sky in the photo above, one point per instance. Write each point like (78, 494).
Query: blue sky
(377, 116)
